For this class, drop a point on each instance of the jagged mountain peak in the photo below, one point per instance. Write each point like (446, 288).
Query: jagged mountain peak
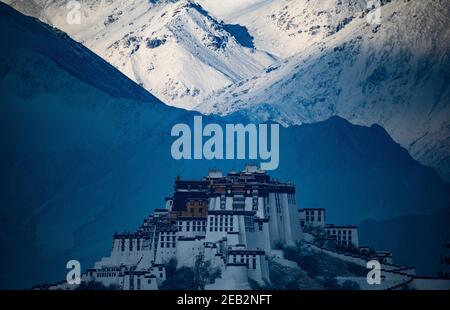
(395, 74)
(174, 49)
(217, 57)
(67, 54)
(286, 27)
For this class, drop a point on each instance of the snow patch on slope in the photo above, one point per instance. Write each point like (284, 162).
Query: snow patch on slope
(287, 27)
(174, 49)
(396, 74)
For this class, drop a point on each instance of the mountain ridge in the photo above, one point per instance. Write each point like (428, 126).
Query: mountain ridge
(332, 59)
(174, 49)
(395, 74)
(86, 61)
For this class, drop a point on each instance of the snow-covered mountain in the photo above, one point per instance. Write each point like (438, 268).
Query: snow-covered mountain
(292, 61)
(174, 49)
(396, 74)
(287, 27)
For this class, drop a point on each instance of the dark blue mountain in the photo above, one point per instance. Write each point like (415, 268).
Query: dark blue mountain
(416, 240)
(357, 172)
(86, 152)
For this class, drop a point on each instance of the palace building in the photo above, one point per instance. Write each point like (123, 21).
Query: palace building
(231, 220)
(231, 225)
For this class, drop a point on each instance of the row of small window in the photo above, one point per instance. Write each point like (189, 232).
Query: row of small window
(311, 212)
(138, 283)
(106, 274)
(130, 245)
(344, 238)
(339, 232)
(220, 228)
(246, 260)
(319, 219)
(169, 233)
(174, 244)
(222, 221)
(196, 226)
(221, 218)
(167, 238)
(194, 223)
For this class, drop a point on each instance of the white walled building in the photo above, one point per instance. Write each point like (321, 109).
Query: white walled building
(312, 217)
(233, 221)
(344, 235)
(256, 262)
(166, 245)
